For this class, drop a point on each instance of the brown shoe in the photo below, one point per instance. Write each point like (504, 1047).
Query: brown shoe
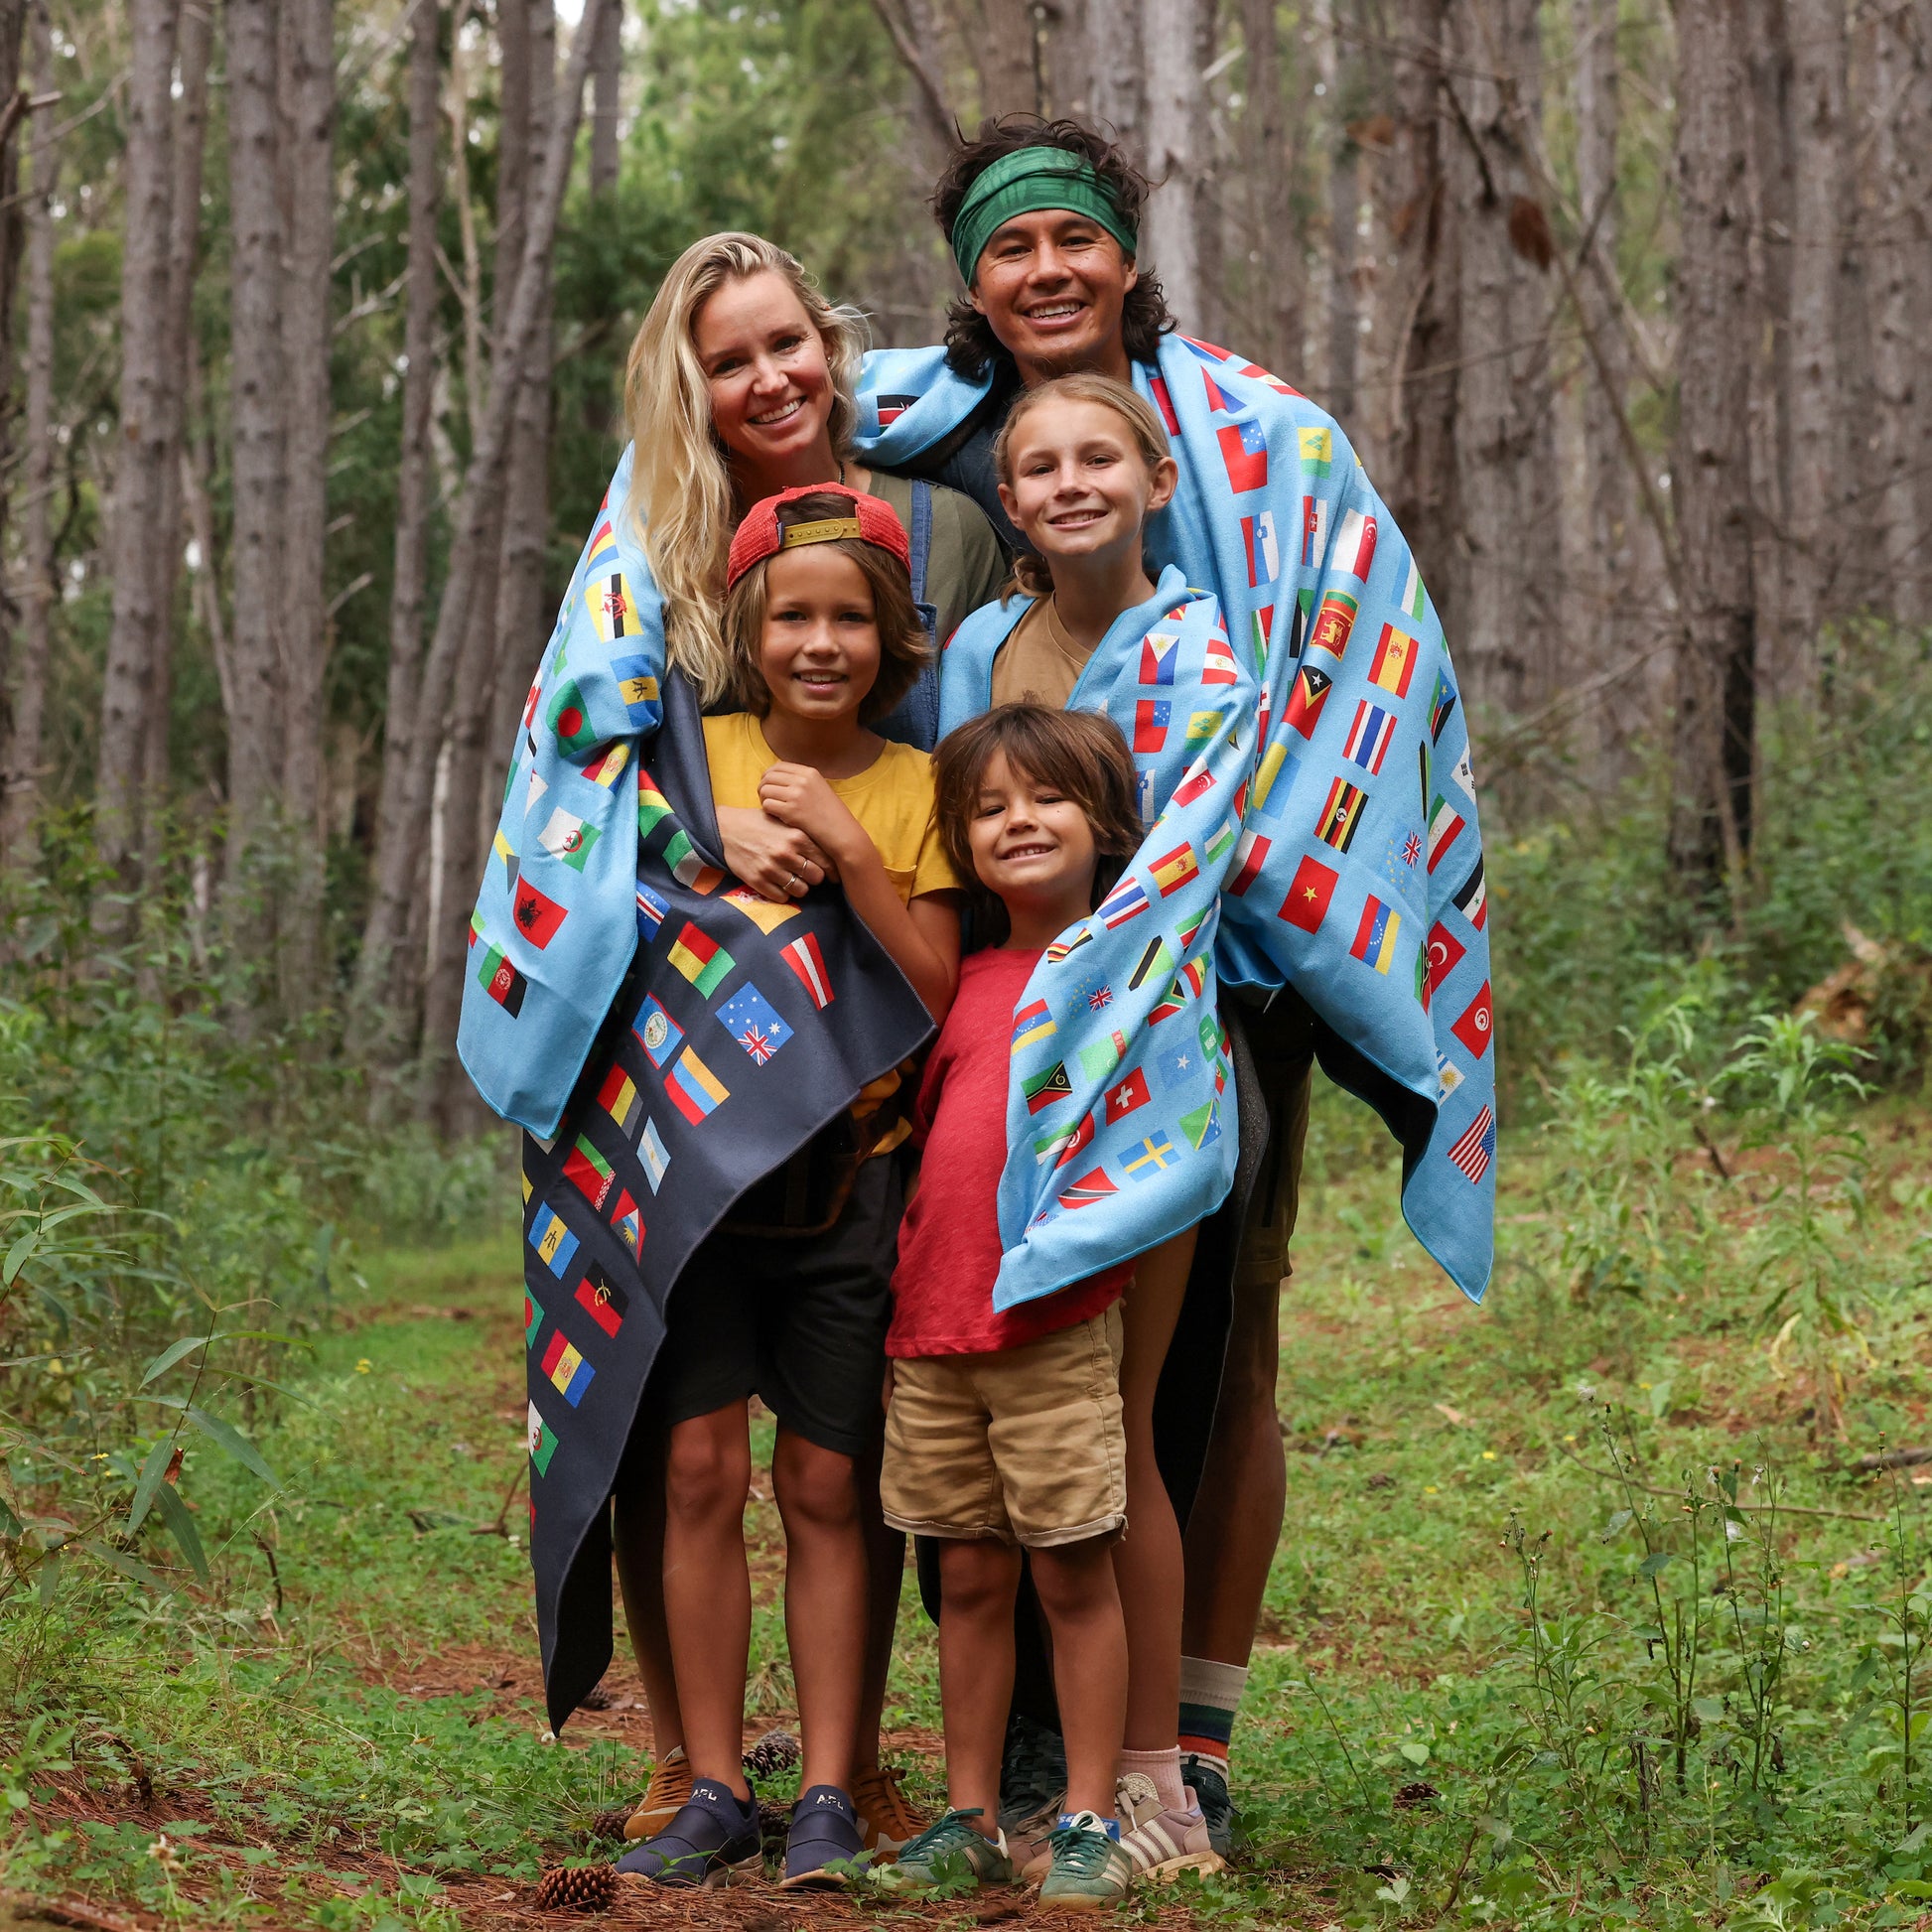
(886, 1820)
(670, 1787)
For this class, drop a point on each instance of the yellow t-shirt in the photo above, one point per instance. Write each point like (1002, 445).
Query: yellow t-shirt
(891, 799)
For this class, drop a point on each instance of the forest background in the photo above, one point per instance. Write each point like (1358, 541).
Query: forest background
(313, 315)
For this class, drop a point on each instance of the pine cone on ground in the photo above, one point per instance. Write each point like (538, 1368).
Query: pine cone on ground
(610, 1823)
(776, 1754)
(576, 1888)
(774, 1826)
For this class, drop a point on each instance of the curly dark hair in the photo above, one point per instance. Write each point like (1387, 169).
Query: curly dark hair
(971, 346)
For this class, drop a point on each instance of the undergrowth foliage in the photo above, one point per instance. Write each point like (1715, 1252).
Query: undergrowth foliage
(173, 1187)
(1609, 1604)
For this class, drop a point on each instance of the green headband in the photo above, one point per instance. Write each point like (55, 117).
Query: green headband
(1024, 180)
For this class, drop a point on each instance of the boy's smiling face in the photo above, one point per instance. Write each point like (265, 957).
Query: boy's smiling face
(1032, 846)
(819, 648)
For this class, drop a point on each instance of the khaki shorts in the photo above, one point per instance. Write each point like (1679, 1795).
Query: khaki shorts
(1025, 1445)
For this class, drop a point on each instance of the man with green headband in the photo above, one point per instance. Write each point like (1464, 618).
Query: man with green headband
(1273, 514)
(1044, 221)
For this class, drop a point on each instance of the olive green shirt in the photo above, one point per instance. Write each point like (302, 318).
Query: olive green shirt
(965, 566)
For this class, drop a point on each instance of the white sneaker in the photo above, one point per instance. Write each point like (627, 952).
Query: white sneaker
(1160, 1841)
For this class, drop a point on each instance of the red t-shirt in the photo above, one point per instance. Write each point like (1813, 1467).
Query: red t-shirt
(949, 1242)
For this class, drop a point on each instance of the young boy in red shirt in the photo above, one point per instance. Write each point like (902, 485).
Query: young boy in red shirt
(1004, 1432)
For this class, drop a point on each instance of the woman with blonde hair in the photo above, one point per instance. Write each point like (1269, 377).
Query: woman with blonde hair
(739, 386)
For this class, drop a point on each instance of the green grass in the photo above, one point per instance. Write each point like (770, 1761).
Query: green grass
(328, 1739)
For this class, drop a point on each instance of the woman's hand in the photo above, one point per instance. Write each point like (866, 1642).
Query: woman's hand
(799, 796)
(776, 861)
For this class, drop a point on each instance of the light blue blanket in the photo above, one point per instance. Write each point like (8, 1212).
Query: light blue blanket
(1358, 877)
(1358, 874)
(1120, 1128)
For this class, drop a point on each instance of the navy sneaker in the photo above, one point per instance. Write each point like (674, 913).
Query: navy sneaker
(1210, 1788)
(824, 1831)
(712, 1841)
(1033, 1772)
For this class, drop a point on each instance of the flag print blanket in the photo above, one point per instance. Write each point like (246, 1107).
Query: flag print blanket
(1358, 876)
(1119, 1125)
(739, 1029)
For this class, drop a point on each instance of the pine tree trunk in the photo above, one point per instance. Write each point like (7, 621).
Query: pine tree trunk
(1506, 441)
(485, 724)
(1426, 222)
(20, 770)
(1901, 260)
(1771, 195)
(149, 405)
(183, 247)
(1276, 270)
(259, 462)
(1178, 156)
(1006, 58)
(1818, 390)
(1605, 581)
(606, 76)
(1713, 696)
(475, 523)
(414, 471)
(309, 186)
(1114, 94)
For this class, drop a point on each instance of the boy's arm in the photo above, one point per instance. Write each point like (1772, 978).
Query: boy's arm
(922, 938)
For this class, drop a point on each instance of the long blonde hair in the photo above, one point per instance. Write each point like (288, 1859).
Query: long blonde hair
(682, 502)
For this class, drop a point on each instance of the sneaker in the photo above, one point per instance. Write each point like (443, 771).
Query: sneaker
(824, 1831)
(1089, 1871)
(711, 1842)
(947, 1853)
(1209, 1783)
(885, 1820)
(668, 1792)
(1033, 1772)
(1159, 1842)
(1029, 1838)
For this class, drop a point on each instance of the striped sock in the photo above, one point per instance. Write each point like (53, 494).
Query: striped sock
(1210, 1694)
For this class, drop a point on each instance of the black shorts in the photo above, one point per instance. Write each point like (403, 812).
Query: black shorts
(1282, 1043)
(799, 1322)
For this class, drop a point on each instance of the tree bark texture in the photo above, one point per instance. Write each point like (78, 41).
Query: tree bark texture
(27, 693)
(606, 76)
(309, 189)
(1605, 575)
(1179, 154)
(1902, 263)
(1819, 444)
(475, 524)
(1771, 194)
(1276, 269)
(413, 473)
(1005, 54)
(1714, 687)
(149, 408)
(192, 47)
(1511, 614)
(260, 460)
(1423, 483)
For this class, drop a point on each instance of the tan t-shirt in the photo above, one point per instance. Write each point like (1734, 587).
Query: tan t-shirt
(1033, 666)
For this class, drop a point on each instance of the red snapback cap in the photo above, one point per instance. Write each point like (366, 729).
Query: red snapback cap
(760, 535)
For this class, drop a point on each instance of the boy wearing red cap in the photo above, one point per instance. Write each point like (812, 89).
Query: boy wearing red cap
(789, 1299)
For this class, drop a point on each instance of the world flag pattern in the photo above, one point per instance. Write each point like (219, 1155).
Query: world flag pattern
(724, 1049)
(1108, 1136)
(1322, 598)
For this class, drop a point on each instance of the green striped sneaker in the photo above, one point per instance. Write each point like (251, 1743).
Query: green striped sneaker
(952, 1854)
(1089, 1871)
